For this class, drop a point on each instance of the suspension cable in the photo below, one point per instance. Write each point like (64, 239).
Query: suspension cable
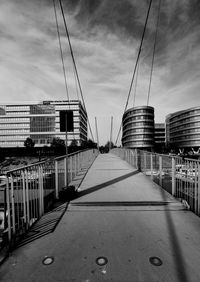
(76, 84)
(61, 52)
(136, 80)
(138, 56)
(62, 58)
(154, 48)
(75, 67)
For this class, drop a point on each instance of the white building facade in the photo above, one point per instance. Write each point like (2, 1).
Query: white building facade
(40, 122)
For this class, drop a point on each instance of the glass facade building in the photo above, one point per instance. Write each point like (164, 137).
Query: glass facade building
(159, 133)
(183, 128)
(40, 122)
(138, 127)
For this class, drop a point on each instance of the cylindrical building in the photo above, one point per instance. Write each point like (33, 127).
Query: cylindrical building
(138, 127)
(183, 128)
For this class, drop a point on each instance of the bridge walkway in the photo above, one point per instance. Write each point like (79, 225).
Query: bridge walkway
(139, 232)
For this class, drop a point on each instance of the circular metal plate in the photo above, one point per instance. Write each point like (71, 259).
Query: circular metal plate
(48, 260)
(155, 261)
(101, 261)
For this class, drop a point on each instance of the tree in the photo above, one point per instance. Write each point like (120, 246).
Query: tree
(88, 144)
(109, 145)
(57, 143)
(29, 143)
(74, 143)
(73, 147)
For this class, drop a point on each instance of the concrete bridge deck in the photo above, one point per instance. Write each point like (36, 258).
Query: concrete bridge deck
(143, 233)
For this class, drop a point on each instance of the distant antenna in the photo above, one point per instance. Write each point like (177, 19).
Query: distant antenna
(97, 133)
(111, 131)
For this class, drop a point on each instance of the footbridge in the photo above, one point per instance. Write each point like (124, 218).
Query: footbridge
(122, 223)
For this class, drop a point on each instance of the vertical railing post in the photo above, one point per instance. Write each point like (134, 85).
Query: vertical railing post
(71, 168)
(194, 168)
(65, 172)
(13, 206)
(173, 176)
(75, 165)
(41, 192)
(145, 161)
(24, 197)
(42, 186)
(160, 170)
(151, 164)
(136, 159)
(56, 179)
(8, 209)
(27, 198)
(198, 186)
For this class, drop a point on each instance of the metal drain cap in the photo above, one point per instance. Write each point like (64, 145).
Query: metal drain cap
(48, 260)
(101, 261)
(155, 261)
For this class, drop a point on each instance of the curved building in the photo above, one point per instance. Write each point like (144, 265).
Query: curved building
(138, 127)
(183, 128)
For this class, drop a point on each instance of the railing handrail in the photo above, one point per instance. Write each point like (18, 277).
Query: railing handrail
(46, 160)
(32, 189)
(159, 154)
(164, 170)
(74, 153)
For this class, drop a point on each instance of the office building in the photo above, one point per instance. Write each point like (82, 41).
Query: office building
(40, 122)
(138, 127)
(183, 129)
(159, 135)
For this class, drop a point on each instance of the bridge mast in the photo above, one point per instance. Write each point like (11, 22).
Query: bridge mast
(97, 133)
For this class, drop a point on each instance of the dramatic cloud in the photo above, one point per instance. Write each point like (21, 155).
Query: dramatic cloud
(105, 36)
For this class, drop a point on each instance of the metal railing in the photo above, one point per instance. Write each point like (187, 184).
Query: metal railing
(30, 191)
(178, 176)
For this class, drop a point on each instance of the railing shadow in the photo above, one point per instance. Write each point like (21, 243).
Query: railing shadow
(47, 224)
(103, 185)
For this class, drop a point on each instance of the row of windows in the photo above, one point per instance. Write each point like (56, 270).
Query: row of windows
(13, 119)
(66, 107)
(180, 129)
(8, 131)
(14, 122)
(135, 112)
(26, 119)
(137, 130)
(10, 137)
(20, 130)
(186, 120)
(183, 132)
(151, 135)
(14, 116)
(18, 125)
(137, 143)
(141, 124)
(23, 137)
(131, 137)
(146, 117)
(186, 114)
(17, 113)
(16, 108)
(191, 143)
(188, 129)
(190, 137)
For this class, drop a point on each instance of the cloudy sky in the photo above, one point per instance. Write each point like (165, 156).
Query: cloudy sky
(105, 36)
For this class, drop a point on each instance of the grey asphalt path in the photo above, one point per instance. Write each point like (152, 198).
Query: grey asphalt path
(120, 215)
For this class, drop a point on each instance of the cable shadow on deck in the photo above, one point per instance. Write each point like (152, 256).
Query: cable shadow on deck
(104, 184)
(175, 245)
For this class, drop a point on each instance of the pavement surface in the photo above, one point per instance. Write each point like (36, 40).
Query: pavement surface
(120, 227)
